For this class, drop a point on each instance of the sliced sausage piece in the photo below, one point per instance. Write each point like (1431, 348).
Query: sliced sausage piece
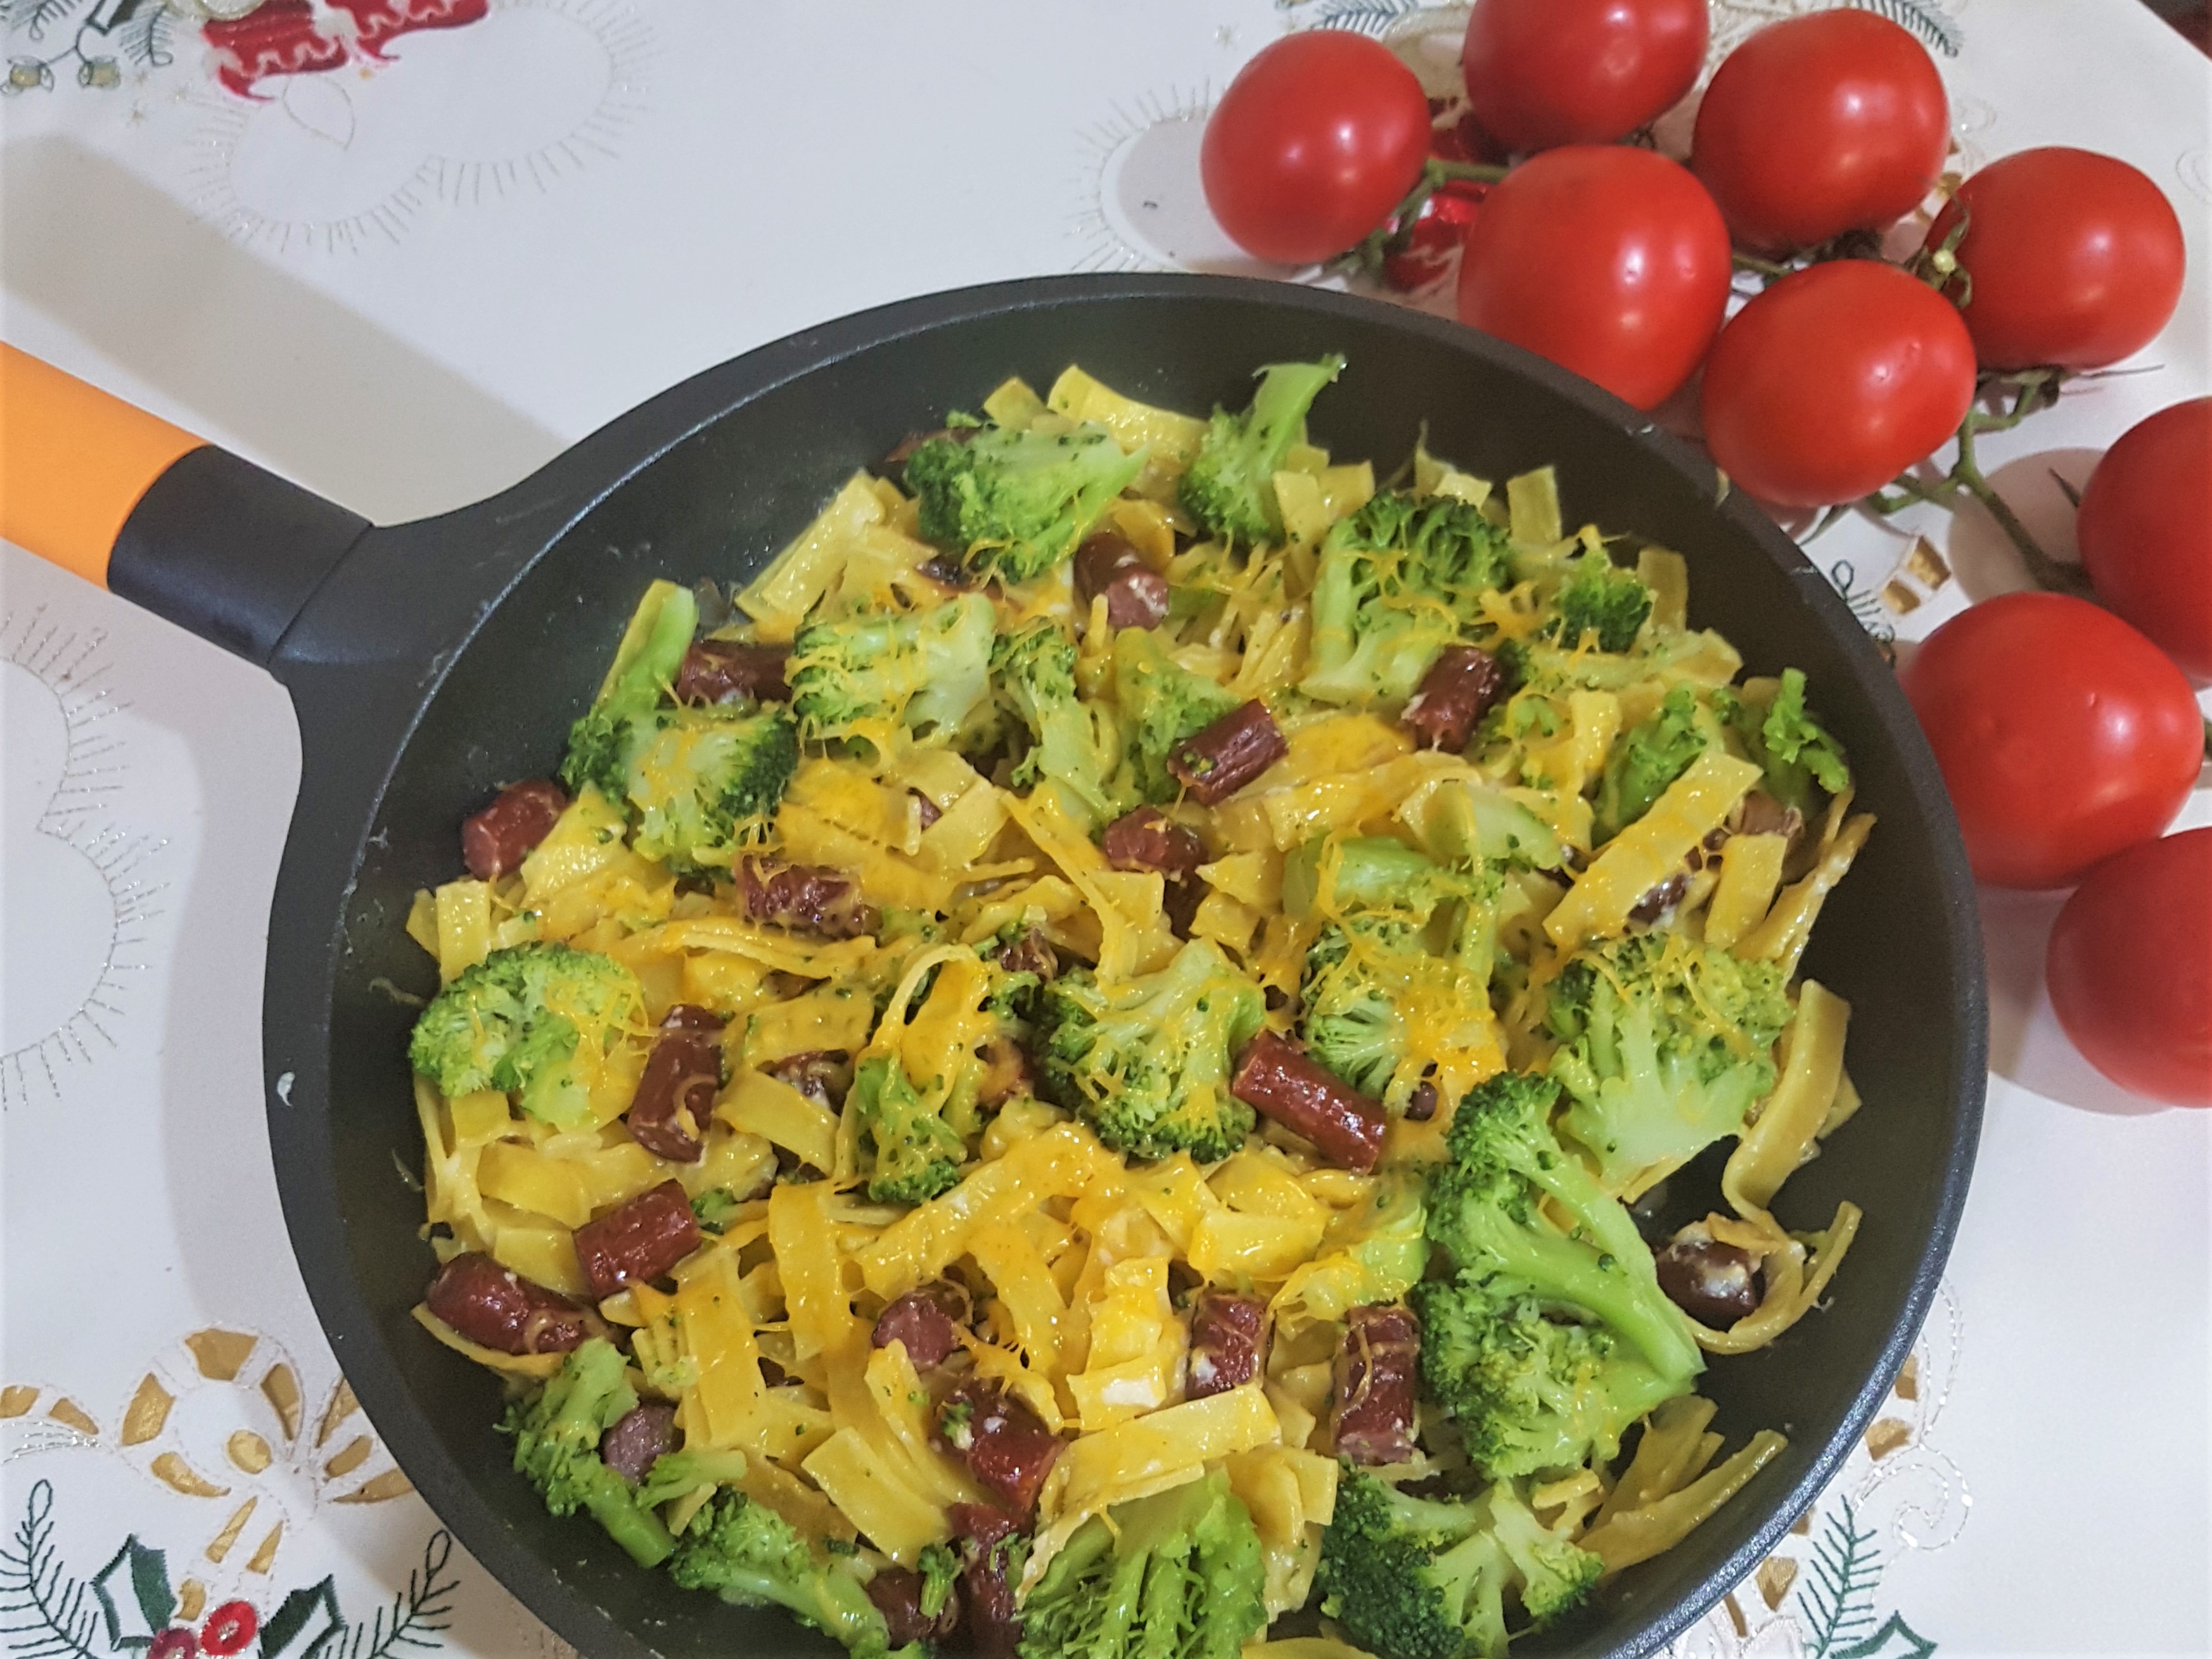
(1714, 1283)
(1031, 953)
(1228, 1334)
(1372, 1416)
(642, 1240)
(494, 840)
(1661, 897)
(1007, 1448)
(1146, 840)
(496, 1307)
(1228, 754)
(806, 896)
(726, 671)
(676, 1095)
(928, 1321)
(822, 1075)
(987, 1592)
(638, 1437)
(1274, 1078)
(1136, 594)
(1005, 1072)
(1457, 691)
(1760, 814)
(896, 1592)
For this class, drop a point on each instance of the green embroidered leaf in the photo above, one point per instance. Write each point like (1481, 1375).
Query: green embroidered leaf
(292, 1614)
(150, 1582)
(1910, 1643)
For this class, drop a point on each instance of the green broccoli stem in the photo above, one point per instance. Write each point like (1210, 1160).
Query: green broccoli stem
(615, 1506)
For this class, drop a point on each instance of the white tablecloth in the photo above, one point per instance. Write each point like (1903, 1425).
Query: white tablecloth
(408, 276)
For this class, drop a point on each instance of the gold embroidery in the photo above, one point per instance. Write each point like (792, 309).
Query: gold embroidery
(15, 1400)
(147, 1410)
(1887, 1437)
(1776, 1574)
(1908, 1378)
(265, 1557)
(282, 1389)
(219, 1545)
(221, 1353)
(355, 1454)
(343, 1404)
(192, 1600)
(172, 1471)
(389, 1485)
(68, 1411)
(249, 1450)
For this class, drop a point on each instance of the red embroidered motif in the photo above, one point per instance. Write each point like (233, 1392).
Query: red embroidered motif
(279, 36)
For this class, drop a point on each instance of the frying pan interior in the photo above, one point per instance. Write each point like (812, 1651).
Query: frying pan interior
(712, 484)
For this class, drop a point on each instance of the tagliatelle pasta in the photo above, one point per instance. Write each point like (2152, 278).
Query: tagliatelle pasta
(1118, 991)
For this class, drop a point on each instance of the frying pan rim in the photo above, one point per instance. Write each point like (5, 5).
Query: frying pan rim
(633, 442)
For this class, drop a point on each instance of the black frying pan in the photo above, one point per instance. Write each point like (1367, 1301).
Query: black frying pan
(431, 662)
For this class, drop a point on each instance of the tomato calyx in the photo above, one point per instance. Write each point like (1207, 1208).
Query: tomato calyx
(1939, 267)
(2029, 392)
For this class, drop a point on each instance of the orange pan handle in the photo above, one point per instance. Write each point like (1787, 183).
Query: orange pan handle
(159, 516)
(74, 462)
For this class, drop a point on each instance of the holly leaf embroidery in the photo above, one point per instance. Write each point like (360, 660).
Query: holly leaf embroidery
(1910, 1643)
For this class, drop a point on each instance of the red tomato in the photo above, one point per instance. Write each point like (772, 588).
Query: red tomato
(1834, 381)
(1316, 141)
(2075, 257)
(1821, 124)
(2131, 971)
(1610, 261)
(2146, 531)
(2063, 735)
(1541, 73)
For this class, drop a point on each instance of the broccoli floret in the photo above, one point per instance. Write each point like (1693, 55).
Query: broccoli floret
(1648, 758)
(645, 666)
(1334, 875)
(918, 1152)
(872, 676)
(914, 1095)
(557, 1448)
(1399, 581)
(1666, 1043)
(696, 783)
(713, 1209)
(1176, 1576)
(1512, 1201)
(1603, 599)
(700, 783)
(1791, 745)
(1230, 486)
(680, 1474)
(535, 1021)
(1428, 1578)
(747, 1554)
(1162, 703)
(1530, 1392)
(939, 1567)
(1412, 935)
(1146, 1061)
(1013, 504)
(1079, 744)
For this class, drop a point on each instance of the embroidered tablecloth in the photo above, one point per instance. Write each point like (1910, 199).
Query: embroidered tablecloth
(403, 251)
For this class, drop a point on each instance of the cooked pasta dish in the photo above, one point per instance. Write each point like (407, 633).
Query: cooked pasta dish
(1109, 1057)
